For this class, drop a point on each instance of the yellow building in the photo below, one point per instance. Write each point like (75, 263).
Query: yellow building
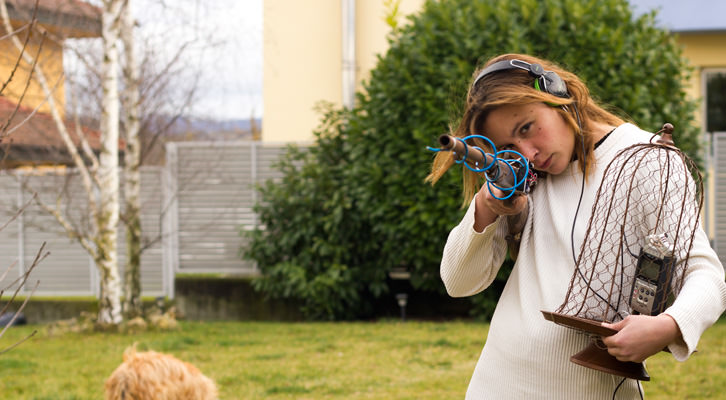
(318, 50)
(60, 20)
(706, 53)
(321, 50)
(24, 106)
(700, 29)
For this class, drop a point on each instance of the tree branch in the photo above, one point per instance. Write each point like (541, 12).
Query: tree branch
(85, 175)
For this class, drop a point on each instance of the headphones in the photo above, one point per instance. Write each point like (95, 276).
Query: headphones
(545, 81)
(548, 82)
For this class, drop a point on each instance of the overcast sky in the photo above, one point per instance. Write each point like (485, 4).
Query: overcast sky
(225, 39)
(229, 45)
(683, 16)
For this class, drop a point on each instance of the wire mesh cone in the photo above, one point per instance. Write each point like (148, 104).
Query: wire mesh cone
(647, 189)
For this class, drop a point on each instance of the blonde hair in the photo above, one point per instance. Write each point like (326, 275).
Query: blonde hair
(516, 87)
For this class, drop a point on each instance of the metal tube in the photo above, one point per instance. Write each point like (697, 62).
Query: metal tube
(349, 45)
(462, 150)
(499, 173)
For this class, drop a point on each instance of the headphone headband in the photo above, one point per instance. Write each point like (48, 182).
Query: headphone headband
(545, 81)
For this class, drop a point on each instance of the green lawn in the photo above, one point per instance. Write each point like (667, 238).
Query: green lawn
(257, 360)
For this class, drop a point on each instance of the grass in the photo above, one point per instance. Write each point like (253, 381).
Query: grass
(360, 360)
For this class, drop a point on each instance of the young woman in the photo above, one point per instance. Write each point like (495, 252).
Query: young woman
(546, 113)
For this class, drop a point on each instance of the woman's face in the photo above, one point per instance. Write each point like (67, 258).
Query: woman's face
(537, 131)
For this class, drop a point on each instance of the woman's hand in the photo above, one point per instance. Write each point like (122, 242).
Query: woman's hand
(641, 336)
(488, 208)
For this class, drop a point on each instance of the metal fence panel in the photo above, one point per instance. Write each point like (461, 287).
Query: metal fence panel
(214, 194)
(10, 247)
(192, 211)
(68, 269)
(153, 275)
(719, 187)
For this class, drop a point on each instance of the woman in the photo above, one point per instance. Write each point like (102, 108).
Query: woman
(546, 113)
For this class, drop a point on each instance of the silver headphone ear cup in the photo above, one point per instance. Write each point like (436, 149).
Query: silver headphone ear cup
(554, 85)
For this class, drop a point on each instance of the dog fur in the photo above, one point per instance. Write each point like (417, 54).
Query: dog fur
(150, 375)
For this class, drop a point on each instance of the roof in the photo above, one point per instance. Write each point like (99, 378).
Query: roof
(685, 16)
(72, 18)
(36, 141)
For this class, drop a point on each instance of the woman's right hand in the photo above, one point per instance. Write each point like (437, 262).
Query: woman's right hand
(488, 208)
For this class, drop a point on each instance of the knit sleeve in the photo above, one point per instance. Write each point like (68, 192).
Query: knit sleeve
(702, 298)
(471, 260)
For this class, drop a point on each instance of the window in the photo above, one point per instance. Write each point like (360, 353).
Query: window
(715, 95)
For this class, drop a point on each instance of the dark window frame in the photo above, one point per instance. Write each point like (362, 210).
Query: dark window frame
(708, 124)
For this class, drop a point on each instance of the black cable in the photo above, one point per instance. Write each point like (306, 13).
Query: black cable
(618, 387)
(640, 389)
(577, 210)
(582, 189)
(572, 240)
(579, 202)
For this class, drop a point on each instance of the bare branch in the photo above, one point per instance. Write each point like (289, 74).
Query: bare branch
(17, 313)
(89, 65)
(51, 102)
(31, 114)
(20, 57)
(40, 256)
(15, 32)
(84, 143)
(7, 270)
(25, 89)
(18, 212)
(19, 342)
(70, 230)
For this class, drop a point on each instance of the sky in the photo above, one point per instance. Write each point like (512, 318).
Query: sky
(683, 16)
(223, 40)
(227, 44)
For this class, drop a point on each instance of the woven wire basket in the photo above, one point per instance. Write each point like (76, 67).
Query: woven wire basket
(648, 190)
(650, 197)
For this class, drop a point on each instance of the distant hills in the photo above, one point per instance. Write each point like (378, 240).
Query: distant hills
(208, 129)
(211, 126)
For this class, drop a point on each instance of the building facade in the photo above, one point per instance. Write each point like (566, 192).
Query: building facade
(319, 51)
(322, 50)
(29, 134)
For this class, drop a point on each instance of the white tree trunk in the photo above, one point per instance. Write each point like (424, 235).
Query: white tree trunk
(101, 240)
(108, 174)
(132, 161)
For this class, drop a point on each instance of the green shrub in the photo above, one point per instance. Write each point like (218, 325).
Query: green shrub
(355, 205)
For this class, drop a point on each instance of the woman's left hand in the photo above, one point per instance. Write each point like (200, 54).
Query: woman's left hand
(641, 336)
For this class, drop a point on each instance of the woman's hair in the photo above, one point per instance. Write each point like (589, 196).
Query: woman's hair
(516, 87)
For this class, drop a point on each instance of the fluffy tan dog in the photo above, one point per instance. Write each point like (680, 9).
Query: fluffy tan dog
(155, 376)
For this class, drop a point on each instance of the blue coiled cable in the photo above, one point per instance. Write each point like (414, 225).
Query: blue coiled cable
(497, 156)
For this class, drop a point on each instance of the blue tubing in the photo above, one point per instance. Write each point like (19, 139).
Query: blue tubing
(495, 158)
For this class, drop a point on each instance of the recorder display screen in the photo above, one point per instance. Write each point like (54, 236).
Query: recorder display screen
(649, 269)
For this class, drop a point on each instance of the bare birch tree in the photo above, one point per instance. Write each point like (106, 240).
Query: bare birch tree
(99, 176)
(14, 287)
(152, 100)
(132, 163)
(106, 256)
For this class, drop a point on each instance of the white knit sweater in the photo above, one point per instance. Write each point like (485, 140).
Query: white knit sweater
(526, 356)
